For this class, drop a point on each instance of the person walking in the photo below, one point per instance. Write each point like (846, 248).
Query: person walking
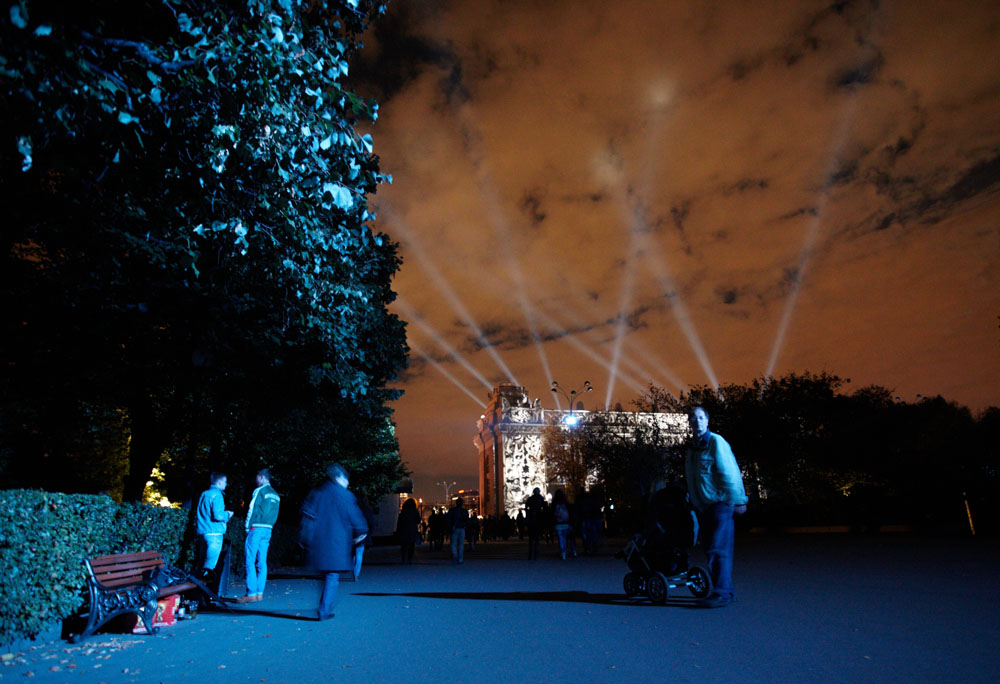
(564, 529)
(459, 518)
(407, 530)
(261, 516)
(211, 520)
(331, 524)
(715, 486)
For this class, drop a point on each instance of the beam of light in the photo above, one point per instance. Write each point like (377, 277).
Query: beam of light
(660, 96)
(661, 272)
(399, 227)
(642, 350)
(584, 327)
(444, 371)
(411, 315)
(811, 234)
(495, 213)
(624, 304)
(585, 349)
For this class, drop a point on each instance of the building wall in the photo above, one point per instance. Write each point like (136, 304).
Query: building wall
(509, 444)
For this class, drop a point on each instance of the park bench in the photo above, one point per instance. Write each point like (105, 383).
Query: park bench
(131, 583)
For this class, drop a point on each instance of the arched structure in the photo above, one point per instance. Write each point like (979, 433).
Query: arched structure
(509, 443)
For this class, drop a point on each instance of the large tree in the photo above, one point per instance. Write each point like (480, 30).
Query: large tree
(187, 233)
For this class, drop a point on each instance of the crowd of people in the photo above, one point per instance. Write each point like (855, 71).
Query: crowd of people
(335, 523)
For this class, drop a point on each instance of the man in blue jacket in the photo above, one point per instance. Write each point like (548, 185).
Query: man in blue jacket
(212, 517)
(332, 524)
(716, 488)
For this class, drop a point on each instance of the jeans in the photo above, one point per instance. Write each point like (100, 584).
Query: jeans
(258, 539)
(458, 544)
(359, 552)
(212, 544)
(329, 597)
(720, 536)
(566, 542)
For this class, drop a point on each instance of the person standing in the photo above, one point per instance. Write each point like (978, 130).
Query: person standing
(331, 524)
(261, 516)
(472, 530)
(459, 518)
(534, 505)
(564, 527)
(211, 520)
(407, 529)
(715, 486)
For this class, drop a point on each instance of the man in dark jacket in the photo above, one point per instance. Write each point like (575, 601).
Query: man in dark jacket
(331, 524)
(261, 516)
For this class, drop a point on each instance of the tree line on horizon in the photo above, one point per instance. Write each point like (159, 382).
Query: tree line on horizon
(811, 452)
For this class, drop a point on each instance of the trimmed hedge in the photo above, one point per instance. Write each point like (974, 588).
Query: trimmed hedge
(45, 536)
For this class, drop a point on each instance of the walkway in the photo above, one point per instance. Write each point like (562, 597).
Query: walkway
(810, 609)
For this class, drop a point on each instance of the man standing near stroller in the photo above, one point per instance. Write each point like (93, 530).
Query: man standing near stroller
(717, 494)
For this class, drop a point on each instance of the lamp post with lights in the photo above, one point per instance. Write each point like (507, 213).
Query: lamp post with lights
(571, 419)
(447, 490)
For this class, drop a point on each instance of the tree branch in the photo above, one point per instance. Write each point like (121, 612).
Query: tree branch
(145, 52)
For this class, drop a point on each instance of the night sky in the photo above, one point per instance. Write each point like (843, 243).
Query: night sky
(684, 193)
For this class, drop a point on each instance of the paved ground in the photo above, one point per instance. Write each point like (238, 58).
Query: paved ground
(810, 609)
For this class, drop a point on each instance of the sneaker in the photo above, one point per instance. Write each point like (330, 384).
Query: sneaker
(715, 601)
(247, 599)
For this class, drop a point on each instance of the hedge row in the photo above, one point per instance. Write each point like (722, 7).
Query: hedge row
(44, 537)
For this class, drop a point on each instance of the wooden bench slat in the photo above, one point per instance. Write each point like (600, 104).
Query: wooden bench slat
(122, 569)
(124, 578)
(125, 557)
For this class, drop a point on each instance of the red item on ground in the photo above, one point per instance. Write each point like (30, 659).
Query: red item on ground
(165, 617)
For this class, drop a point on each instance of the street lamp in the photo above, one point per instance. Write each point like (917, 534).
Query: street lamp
(447, 490)
(571, 419)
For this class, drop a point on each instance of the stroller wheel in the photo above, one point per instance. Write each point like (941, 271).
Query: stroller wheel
(633, 584)
(699, 582)
(656, 588)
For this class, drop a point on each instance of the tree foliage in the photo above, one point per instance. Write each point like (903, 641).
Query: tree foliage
(190, 242)
(817, 453)
(565, 456)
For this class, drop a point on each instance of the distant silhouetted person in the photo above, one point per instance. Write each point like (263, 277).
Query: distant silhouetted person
(359, 548)
(436, 524)
(715, 485)
(564, 528)
(591, 520)
(472, 530)
(533, 520)
(459, 518)
(332, 524)
(212, 518)
(407, 529)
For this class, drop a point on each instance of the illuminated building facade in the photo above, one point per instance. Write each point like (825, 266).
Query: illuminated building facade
(509, 443)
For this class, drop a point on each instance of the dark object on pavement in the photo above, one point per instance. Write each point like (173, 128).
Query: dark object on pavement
(658, 558)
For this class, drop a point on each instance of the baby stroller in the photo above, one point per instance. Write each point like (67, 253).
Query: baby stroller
(657, 558)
